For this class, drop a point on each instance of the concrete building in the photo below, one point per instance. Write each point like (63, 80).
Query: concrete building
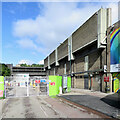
(83, 55)
(32, 71)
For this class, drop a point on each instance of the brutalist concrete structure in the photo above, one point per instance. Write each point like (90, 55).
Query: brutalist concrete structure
(83, 55)
(32, 71)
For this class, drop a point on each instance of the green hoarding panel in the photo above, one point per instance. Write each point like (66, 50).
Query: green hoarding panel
(68, 84)
(116, 77)
(1, 87)
(55, 82)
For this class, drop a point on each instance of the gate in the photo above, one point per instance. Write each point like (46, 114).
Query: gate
(38, 86)
(21, 85)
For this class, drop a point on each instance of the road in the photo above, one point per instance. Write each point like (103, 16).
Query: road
(108, 104)
(41, 107)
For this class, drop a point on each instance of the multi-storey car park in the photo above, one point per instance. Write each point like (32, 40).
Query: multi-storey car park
(85, 55)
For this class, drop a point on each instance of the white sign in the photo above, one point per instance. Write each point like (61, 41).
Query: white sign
(105, 68)
(115, 68)
(6, 82)
(65, 82)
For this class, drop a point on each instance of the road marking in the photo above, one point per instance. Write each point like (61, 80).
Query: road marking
(43, 111)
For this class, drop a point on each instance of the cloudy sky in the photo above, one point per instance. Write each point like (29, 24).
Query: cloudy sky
(32, 30)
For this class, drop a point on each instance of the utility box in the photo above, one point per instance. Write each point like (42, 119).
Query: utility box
(2, 91)
(55, 82)
(68, 84)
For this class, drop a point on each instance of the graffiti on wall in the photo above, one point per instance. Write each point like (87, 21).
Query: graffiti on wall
(116, 79)
(115, 50)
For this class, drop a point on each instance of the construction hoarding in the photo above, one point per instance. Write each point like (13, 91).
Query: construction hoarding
(55, 82)
(2, 87)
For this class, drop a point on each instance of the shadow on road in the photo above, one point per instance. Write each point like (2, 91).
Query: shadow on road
(112, 100)
(108, 105)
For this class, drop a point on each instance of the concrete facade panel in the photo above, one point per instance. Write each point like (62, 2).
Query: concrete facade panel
(80, 64)
(79, 83)
(52, 57)
(96, 60)
(85, 34)
(46, 62)
(63, 50)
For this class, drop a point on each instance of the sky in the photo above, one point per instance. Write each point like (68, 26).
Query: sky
(32, 30)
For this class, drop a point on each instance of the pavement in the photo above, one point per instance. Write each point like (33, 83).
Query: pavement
(42, 107)
(106, 103)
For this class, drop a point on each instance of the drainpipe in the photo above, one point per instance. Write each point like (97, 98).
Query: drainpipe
(106, 65)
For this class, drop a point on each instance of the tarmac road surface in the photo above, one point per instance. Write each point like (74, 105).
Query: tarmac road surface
(41, 107)
(108, 104)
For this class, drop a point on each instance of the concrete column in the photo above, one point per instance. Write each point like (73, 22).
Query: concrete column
(109, 17)
(104, 21)
(65, 68)
(49, 62)
(54, 71)
(86, 63)
(70, 55)
(56, 58)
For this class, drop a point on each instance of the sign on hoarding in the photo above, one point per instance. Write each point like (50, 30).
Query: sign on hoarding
(42, 80)
(64, 81)
(52, 83)
(116, 80)
(1, 93)
(37, 81)
(1, 86)
(115, 50)
(106, 79)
